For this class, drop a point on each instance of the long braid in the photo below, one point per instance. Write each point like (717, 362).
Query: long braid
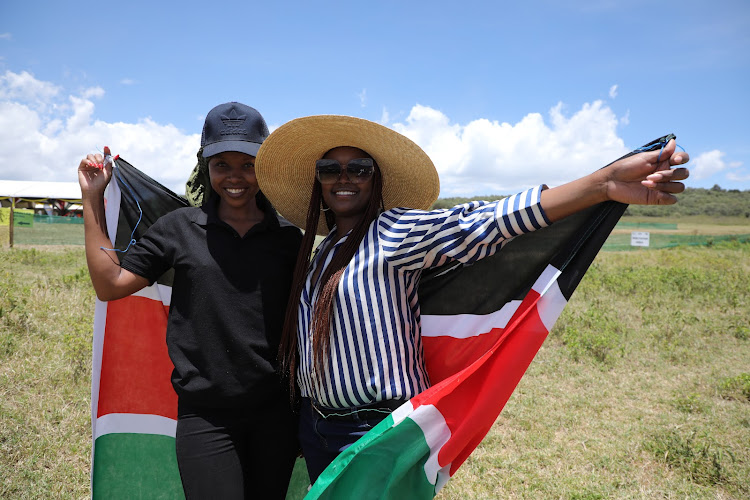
(288, 352)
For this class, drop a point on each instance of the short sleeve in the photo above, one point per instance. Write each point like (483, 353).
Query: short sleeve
(153, 254)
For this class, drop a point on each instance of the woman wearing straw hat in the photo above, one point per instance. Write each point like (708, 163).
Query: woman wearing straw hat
(233, 259)
(351, 338)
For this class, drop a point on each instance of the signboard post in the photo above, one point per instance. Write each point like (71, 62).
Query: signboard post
(10, 222)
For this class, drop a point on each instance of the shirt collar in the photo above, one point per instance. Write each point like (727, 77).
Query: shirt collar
(209, 214)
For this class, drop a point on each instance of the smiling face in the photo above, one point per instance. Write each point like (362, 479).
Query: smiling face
(233, 178)
(347, 200)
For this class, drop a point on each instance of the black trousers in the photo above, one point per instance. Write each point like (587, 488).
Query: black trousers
(236, 453)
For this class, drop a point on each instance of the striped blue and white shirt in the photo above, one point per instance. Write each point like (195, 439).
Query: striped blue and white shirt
(376, 346)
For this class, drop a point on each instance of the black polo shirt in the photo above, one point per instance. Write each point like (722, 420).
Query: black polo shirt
(229, 295)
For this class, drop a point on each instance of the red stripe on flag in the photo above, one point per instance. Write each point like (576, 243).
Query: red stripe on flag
(136, 369)
(445, 356)
(471, 399)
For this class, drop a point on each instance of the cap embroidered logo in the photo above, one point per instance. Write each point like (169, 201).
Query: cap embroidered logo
(233, 124)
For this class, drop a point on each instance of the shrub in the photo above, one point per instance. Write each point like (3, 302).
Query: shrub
(700, 457)
(736, 387)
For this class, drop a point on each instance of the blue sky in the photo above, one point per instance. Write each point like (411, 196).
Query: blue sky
(500, 96)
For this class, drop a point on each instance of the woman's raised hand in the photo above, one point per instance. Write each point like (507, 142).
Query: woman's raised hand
(647, 178)
(94, 173)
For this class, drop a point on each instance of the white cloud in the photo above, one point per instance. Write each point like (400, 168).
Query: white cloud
(613, 91)
(625, 120)
(707, 164)
(23, 86)
(46, 133)
(5, 36)
(363, 98)
(47, 130)
(712, 162)
(385, 117)
(737, 177)
(488, 157)
(128, 81)
(93, 92)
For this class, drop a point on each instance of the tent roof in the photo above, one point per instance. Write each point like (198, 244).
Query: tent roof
(35, 190)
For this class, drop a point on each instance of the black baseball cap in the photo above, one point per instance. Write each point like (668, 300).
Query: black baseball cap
(232, 126)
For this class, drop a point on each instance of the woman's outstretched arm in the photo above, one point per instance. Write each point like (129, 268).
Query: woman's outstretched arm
(641, 179)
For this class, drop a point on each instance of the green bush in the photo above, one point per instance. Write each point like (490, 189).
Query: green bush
(735, 387)
(595, 334)
(697, 455)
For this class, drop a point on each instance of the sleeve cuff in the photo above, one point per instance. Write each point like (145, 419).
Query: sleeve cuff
(521, 213)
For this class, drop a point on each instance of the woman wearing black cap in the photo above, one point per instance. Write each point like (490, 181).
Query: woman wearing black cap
(233, 259)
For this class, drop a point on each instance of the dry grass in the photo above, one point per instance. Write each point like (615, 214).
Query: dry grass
(636, 394)
(647, 420)
(46, 306)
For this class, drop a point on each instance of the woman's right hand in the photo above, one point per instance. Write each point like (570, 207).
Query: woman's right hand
(94, 174)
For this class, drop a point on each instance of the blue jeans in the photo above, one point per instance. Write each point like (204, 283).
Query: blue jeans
(322, 439)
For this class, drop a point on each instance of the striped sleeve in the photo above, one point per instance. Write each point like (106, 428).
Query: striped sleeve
(414, 239)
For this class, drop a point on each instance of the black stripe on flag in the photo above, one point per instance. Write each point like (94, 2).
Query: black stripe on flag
(569, 245)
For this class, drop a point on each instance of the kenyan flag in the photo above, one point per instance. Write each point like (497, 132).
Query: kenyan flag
(133, 405)
(482, 325)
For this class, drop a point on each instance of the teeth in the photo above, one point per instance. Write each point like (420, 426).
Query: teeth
(345, 193)
(234, 190)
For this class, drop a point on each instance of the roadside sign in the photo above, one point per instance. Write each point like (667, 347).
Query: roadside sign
(639, 239)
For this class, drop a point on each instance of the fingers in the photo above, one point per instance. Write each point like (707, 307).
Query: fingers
(662, 198)
(89, 164)
(679, 158)
(668, 156)
(665, 187)
(668, 150)
(675, 157)
(93, 161)
(673, 174)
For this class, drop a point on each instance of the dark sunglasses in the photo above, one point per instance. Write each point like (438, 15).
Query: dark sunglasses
(358, 170)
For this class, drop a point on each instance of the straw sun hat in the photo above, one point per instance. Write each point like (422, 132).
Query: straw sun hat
(285, 164)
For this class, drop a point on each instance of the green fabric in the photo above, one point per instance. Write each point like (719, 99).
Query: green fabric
(133, 466)
(386, 463)
(198, 183)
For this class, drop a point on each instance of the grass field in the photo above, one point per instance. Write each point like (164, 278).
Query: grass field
(642, 389)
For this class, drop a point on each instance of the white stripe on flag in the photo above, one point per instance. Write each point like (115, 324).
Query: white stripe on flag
(112, 196)
(436, 434)
(131, 423)
(400, 413)
(545, 280)
(463, 326)
(551, 305)
(156, 291)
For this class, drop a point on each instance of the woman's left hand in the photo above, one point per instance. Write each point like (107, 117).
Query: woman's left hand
(647, 179)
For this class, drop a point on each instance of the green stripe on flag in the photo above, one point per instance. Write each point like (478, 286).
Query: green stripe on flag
(387, 462)
(132, 466)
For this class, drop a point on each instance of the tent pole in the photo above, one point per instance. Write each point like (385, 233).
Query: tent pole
(10, 222)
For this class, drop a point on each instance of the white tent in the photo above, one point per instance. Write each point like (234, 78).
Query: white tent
(60, 197)
(36, 190)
